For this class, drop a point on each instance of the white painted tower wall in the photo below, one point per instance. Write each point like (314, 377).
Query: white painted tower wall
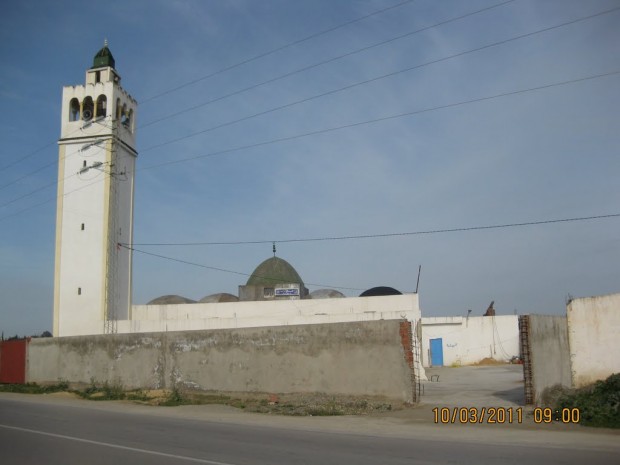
(92, 281)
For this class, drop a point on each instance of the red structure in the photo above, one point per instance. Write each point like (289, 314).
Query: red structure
(13, 361)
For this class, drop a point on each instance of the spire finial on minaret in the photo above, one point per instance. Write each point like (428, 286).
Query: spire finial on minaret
(105, 42)
(274, 249)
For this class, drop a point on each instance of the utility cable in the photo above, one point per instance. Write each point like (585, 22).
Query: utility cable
(377, 120)
(377, 78)
(321, 63)
(272, 51)
(264, 82)
(199, 265)
(332, 129)
(377, 236)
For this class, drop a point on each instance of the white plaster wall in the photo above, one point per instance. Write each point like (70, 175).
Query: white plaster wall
(282, 311)
(467, 340)
(82, 255)
(81, 251)
(593, 331)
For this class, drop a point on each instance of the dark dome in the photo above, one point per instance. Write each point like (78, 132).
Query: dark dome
(326, 294)
(103, 57)
(171, 299)
(272, 271)
(380, 290)
(221, 297)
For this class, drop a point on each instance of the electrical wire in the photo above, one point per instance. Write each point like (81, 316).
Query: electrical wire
(264, 82)
(199, 265)
(377, 78)
(321, 63)
(277, 49)
(384, 235)
(332, 129)
(376, 120)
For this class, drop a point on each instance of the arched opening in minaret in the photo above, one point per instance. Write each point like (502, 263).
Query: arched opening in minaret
(129, 122)
(125, 117)
(74, 110)
(118, 109)
(102, 104)
(88, 108)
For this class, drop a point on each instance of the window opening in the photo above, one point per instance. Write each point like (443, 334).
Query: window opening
(124, 116)
(74, 110)
(97, 76)
(88, 108)
(82, 226)
(102, 103)
(79, 291)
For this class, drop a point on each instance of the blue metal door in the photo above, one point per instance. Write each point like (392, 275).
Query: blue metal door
(436, 352)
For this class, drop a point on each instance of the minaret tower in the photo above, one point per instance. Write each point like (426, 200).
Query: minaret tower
(92, 277)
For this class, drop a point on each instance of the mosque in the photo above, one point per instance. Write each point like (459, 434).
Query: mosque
(93, 271)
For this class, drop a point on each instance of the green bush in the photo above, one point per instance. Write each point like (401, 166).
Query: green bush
(598, 404)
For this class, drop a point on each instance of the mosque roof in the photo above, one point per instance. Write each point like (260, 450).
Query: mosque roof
(103, 57)
(272, 271)
(326, 294)
(380, 290)
(220, 297)
(171, 299)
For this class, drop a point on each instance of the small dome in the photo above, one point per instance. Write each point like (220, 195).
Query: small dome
(221, 297)
(171, 299)
(103, 57)
(326, 294)
(380, 290)
(272, 271)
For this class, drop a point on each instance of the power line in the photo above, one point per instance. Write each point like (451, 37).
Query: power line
(377, 120)
(399, 234)
(332, 129)
(334, 91)
(277, 49)
(199, 265)
(267, 81)
(377, 78)
(315, 65)
(228, 68)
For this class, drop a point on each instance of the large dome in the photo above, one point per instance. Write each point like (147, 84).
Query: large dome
(326, 294)
(272, 271)
(380, 290)
(218, 298)
(170, 300)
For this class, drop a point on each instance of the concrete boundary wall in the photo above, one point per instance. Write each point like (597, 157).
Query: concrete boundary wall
(359, 358)
(593, 331)
(545, 353)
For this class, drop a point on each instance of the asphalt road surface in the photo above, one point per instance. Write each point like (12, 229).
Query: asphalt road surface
(51, 430)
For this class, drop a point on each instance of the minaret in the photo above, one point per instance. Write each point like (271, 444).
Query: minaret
(92, 277)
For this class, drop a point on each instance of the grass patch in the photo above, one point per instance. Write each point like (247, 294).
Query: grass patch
(598, 404)
(34, 388)
(310, 404)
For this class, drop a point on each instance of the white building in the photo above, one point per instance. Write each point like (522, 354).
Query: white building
(457, 340)
(92, 278)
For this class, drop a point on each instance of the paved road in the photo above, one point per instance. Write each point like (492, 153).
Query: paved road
(51, 430)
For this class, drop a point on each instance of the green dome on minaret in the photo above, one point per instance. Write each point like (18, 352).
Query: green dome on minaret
(103, 57)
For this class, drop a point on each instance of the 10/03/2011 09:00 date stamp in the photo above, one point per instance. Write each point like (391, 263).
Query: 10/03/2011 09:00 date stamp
(472, 415)
(501, 415)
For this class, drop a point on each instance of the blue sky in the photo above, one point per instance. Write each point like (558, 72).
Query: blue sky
(531, 156)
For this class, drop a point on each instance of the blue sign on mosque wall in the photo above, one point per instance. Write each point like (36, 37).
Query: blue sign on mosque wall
(286, 291)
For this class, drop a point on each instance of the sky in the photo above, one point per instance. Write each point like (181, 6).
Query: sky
(324, 119)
